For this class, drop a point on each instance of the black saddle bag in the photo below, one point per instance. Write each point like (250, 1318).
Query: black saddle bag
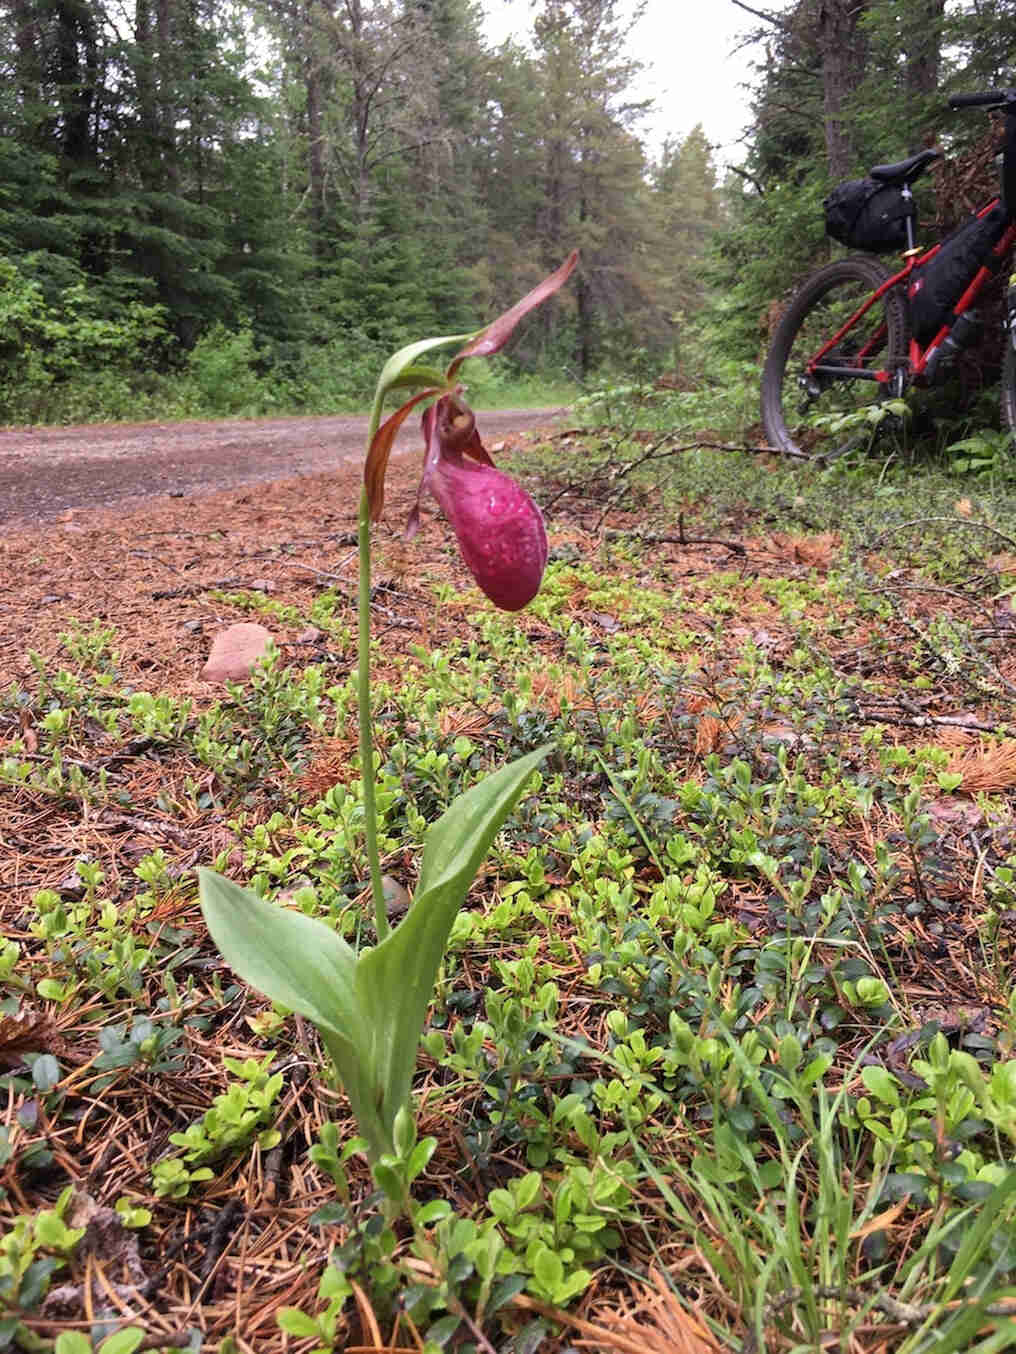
(866, 214)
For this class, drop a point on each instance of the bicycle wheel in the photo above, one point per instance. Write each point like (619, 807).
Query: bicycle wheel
(1009, 385)
(799, 409)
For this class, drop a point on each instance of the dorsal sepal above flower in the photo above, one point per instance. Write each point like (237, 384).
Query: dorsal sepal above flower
(492, 339)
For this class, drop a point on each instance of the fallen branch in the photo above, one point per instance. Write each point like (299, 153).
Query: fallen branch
(951, 521)
(902, 1313)
(930, 721)
(656, 454)
(668, 538)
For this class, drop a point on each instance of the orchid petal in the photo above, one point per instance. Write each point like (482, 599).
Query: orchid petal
(381, 449)
(459, 431)
(498, 332)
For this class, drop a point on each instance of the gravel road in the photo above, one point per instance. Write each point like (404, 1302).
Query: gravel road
(45, 472)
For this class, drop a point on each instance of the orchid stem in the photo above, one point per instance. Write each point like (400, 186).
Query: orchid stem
(364, 704)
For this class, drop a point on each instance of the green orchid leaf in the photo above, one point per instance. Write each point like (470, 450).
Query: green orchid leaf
(406, 357)
(395, 981)
(305, 966)
(458, 842)
(291, 958)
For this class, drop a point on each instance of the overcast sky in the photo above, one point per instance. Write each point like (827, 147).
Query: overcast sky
(694, 71)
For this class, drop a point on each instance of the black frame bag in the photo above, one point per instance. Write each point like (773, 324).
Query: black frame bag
(939, 284)
(865, 214)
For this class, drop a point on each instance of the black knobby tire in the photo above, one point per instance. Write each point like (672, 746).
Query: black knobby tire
(824, 302)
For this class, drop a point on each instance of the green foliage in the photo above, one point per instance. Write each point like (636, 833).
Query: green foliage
(51, 349)
(369, 1008)
(986, 453)
(237, 1119)
(32, 1250)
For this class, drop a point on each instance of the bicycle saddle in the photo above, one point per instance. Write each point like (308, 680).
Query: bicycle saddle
(906, 171)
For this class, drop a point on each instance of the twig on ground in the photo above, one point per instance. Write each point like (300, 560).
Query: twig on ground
(222, 1233)
(930, 721)
(171, 1250)
(668, 538)
(654, 453)
(903, 1313)
(313, 569)
(950, 521)
(147, 554)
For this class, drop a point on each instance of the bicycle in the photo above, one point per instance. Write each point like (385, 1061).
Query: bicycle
(855, 324)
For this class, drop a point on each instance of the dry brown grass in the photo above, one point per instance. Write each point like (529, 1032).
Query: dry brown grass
(985, 766)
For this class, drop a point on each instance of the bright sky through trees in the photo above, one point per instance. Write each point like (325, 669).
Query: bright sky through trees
(695, 71)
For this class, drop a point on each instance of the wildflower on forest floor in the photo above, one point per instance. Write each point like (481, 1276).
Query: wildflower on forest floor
(498, 526)
(370, 1005)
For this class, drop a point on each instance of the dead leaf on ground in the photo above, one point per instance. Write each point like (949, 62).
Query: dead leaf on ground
(815, 551)
(711, 732)
(331, 764)
(27, 1032)
(960, 814)
(881, 1222)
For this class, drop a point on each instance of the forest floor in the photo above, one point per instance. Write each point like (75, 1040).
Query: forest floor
(721, 1055)
(48, 471)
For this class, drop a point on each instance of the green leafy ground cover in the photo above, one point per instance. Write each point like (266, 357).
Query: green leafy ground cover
(722, 1054)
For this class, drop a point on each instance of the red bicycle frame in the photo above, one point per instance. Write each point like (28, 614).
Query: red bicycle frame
(919, 357)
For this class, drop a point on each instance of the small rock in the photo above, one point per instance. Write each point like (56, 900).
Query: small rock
(261, 585)
(396, 896)
(235, 651)
(71, 888)
(308, 636)
(194, 627)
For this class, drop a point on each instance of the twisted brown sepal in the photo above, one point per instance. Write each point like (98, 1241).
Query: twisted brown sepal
(499, 331)
(381, 449)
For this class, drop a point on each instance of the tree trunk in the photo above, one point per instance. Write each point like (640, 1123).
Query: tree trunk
(315, 124)
(76, 73)
(27, 60)
(924, 50)
(924, 60)
(165, 22)
(843, 50)
(149, 166)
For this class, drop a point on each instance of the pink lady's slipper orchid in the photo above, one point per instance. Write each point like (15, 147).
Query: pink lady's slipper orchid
(498, 526)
